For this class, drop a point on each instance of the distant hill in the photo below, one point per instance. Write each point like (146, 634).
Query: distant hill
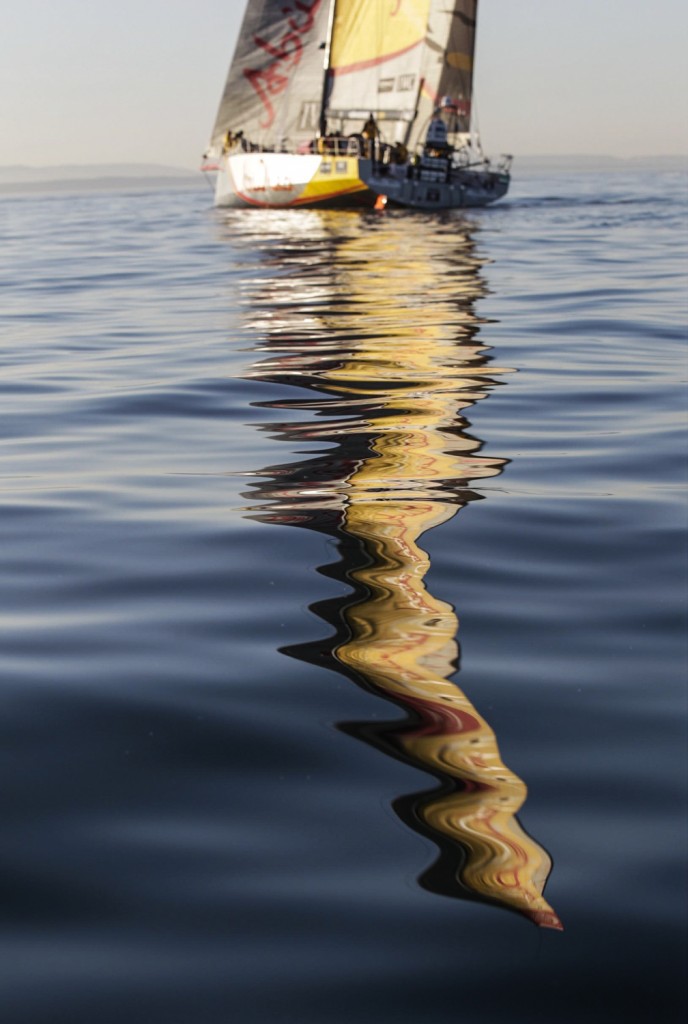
(77, 172)
(71, 177)
(593, 162)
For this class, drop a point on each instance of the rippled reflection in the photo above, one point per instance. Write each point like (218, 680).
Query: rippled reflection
(376, 317)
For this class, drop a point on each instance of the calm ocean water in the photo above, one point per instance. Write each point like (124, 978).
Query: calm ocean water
(343, 600)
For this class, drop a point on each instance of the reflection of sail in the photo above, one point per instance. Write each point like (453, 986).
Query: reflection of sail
(392, 385)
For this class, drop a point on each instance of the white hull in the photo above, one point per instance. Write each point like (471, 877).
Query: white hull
(289, 179)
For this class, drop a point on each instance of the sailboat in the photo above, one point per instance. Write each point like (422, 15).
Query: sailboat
(352, 103)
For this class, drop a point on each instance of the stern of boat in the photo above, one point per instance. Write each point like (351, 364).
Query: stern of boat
(290, 180)
(438, 183)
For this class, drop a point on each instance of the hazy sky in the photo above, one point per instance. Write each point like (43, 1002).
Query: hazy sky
(102, 81)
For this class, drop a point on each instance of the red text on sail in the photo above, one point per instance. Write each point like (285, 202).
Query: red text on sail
(272, 79)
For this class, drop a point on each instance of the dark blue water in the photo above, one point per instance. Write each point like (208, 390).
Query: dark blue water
(273, 487)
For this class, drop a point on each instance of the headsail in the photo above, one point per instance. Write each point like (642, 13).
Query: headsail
(274, 86)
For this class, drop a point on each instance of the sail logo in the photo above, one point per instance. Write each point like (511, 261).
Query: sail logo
(281, 57)
(309, 116)
(404, 83)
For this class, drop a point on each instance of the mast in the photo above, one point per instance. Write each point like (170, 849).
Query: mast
(326, 69)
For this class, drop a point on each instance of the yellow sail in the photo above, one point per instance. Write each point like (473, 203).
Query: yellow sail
(376, 58)
(365, 33)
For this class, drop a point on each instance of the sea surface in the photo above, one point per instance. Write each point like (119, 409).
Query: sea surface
(343, 587)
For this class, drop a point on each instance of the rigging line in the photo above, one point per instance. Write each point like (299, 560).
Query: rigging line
(210, 184)
(474, 120)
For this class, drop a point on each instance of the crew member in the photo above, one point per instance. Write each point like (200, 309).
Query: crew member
(370, 129)
(436, 136)
(371, 133)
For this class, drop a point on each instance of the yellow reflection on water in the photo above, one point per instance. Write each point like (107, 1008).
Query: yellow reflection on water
(376, 316)
(403, 642)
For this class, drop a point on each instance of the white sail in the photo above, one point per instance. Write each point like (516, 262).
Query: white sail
(273, 92)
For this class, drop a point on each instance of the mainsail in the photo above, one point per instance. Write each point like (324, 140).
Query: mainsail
(273, 92)
(375, 64)
(398, 59)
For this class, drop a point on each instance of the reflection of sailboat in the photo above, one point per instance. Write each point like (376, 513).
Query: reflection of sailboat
(338, 102)
(402, 464)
